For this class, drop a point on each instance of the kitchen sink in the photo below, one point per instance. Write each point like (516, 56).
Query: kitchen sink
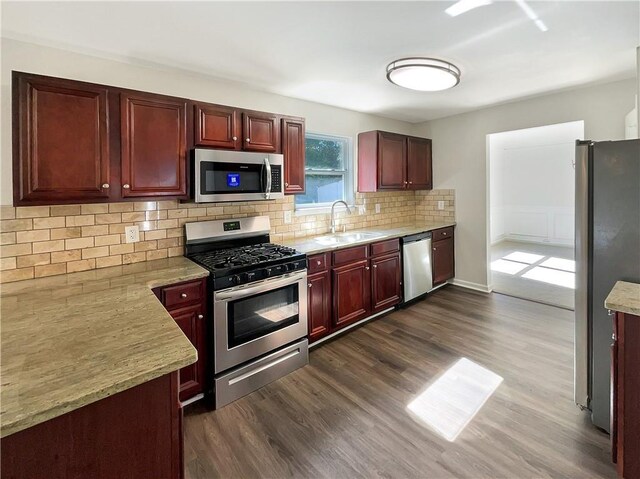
(346, 238)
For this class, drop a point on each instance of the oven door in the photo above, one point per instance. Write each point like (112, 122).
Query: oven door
(258, 318)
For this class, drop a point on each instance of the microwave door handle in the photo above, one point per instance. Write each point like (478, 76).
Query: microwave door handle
(267, 167)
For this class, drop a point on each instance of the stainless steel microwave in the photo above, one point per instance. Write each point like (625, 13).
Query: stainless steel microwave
(237, 176)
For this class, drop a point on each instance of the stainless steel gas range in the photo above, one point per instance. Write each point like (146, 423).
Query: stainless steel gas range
(258, 291)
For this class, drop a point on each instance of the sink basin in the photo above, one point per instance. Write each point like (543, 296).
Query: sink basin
(345, 238)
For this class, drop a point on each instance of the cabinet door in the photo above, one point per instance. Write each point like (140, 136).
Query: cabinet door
(419, 167)
(61, 140)
(217, 126)
(443, 262)
(293, 148)
(154, 145)
(261, 132)
(385, 282)
(192, 323)
(351, 293)
(319, 308)
(392, 161)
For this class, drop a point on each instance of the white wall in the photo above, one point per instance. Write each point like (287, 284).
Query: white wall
(532, 183)
(32, 58)
(460, 154)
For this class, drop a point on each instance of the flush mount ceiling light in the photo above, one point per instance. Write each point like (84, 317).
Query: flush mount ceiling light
(423, 74)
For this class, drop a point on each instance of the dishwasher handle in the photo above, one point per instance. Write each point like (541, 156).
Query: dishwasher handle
(416, 237)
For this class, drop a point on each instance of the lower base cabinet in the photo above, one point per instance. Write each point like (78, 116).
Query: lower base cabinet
(442, 255)
(319, 305)
(132, 434)
(351, 293)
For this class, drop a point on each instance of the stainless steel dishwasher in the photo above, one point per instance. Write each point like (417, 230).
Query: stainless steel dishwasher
(416, 258)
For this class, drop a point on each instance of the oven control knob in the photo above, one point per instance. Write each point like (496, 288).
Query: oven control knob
(235, 279)
(267, 272)
(251, 276)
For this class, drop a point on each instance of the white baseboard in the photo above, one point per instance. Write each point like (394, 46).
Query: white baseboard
(483, 288)
(532, 239)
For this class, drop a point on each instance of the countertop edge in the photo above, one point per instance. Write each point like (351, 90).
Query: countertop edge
(624, 298)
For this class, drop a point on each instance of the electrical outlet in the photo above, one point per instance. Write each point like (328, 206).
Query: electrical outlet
(440, 205)
(132, 234)
(287, 217)
(362, 209)
(377, 207)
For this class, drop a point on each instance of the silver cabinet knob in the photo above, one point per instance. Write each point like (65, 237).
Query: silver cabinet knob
(234, 138)
(286, 184)
(200, 316)
(183, 295)
(309, 284)
(367, 268)
(105, 185)
(405, 182)
(375, 265)
(319, 262)
(248, 140)
(434, 249)
(444, 234)
(126, 186)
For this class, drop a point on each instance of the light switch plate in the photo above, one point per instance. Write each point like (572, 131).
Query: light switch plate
(287, 217)
(440, 205)
(377, 207)
(132, 234)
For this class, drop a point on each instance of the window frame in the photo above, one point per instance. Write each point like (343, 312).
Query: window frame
(348, 192)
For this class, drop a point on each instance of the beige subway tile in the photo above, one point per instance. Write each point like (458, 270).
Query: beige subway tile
(145, 205)
(7, 212)
(147, 225)
(167, 204)
(33, 260)
(120, 207)
(95, 252)
(48, 223)
(78, 243)
(7, 238)
(8, 263)
(32, 235)
(168, 243)
(145, 246)
(108, 218)
(82, 265)
(132, 217)
(166, 224)
(82, 220)
(66, 233)
(155, 215)
(118, 228)
(15, 250)
(94, 209)
(175, 232)
(66, 210)
(184, 213)
(175, 251)
(16, 275)
(48, 246)
(121, 248)
(155, 235)
(107, 240)
(32, 212)
(50, 270)
(157, 254)
(16, 225)
(66, 256)
(108, 261)
(97, 230)
(134, 257)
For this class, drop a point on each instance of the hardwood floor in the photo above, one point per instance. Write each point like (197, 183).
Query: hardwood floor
(344, 415)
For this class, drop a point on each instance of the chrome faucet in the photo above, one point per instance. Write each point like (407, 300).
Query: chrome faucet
(333, 216)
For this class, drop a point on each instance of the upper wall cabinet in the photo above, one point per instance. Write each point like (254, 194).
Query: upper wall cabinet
(261, 132)
(389, 161)
(293, 149)
(60, 140)
(217, 126)
(154, 145)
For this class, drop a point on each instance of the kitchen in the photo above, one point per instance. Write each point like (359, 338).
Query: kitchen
(72, 252)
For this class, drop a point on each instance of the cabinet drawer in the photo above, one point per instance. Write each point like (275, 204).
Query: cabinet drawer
(181, 294)
(317, 263)
(383, 247)
(443, 233)
(350, 255)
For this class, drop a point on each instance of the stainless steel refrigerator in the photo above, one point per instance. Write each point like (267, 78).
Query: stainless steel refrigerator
(607, 249)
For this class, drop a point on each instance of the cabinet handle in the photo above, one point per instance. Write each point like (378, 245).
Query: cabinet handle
(126, 186)
(444, 234)
(200, 316)
(286, 184)
(434, 249)
(405, 182)
(105, 185)
(234, 138)
(375, 265)
(183, 295)
(367, 268)
(411, 182)
(319, 262)
(248, 140)
(309, 284)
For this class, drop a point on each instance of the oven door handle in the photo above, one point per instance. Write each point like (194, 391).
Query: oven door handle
(262, 288)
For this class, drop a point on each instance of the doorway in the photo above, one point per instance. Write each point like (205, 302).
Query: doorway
(531, 212)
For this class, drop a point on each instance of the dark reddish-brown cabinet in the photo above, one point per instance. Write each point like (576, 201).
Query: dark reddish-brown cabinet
(318, 297)
(443, 260)
(293, 149)
(217, 126)
(386, 275)
(261, 132)
(390, 161)
(153, 145)
(60, 140)
(351, 277)
(186, 303)
(625, 395)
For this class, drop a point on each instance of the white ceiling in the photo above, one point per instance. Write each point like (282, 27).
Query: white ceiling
(336, 53)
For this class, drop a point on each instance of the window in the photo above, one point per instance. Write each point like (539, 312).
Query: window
(327, 171)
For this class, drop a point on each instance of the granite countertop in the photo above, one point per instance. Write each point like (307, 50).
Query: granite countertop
(625, 298)
(309, 246)
(73, 339)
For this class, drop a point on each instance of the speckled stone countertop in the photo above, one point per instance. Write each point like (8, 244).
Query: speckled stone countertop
(309, 246)
(73, 339)
(624, 297)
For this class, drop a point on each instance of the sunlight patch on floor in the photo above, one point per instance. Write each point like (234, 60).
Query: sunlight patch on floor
(508, 267)
(552, 276)
(560, 263)
(453, 400)
(523, 257)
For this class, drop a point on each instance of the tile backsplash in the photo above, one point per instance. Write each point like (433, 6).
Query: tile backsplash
(38, 241)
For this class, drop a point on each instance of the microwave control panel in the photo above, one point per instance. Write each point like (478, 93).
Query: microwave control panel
(276, 178)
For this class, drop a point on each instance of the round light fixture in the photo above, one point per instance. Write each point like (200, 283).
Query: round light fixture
(423, 74)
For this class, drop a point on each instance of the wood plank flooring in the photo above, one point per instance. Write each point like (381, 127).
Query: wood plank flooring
(344, 415)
